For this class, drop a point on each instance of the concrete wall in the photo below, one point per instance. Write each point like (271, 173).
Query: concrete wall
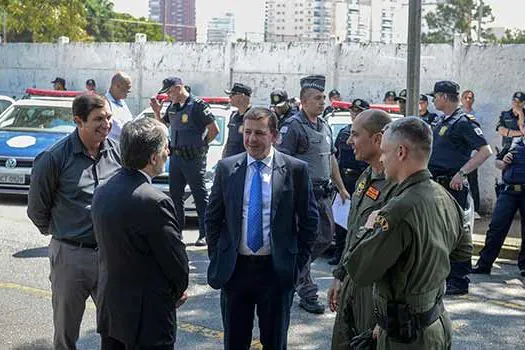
(357, 70)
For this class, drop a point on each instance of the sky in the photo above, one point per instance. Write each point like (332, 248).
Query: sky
(249, 14)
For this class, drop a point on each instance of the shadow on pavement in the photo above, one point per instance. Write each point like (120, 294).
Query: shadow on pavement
(89, 340)
(36, 345)
(40, 252)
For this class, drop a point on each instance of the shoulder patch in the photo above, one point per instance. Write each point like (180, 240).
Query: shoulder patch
(478, 131)
(382, 222)
(207, 110)
(283, 130)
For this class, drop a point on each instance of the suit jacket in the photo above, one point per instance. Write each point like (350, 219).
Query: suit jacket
(143, 266)
(294, 218)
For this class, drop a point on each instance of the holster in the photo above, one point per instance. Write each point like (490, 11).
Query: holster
(460, 196)
(323, 190)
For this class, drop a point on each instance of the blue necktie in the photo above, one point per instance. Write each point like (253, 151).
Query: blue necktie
(255, 234)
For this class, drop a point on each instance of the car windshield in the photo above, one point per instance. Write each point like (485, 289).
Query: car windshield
(4, 104)
(38, 118)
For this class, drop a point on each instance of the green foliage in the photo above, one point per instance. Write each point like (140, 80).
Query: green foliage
(515, 36)
(458, 16)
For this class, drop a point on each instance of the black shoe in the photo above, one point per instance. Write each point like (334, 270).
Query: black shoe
(335, 260)
(480, 270)
(313, 307)
(201, 242)
(453, 290)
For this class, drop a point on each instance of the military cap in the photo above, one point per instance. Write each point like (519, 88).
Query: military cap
(313, 82)
(278, 98)
(59, 80)
(333, 93)
(402, 95)
(169, 82)
(446, 87)
(239, 88)
(361, 104)
(390, 94)
(423, 98)
(519, 96)
(91, 82)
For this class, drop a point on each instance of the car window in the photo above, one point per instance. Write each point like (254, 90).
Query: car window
(39, 118)
(4, 104)
(219, 139)
(336, 128)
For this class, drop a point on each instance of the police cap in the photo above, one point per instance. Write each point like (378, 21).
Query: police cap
(239, 88)
(402, 95)
(519, 96)
(333, 93)
(59, 80)
(390, 94)
(423, 98)
(313, 82)
(361, 104)
(278, 98)
(445, 87)
(91, 82)
(169, 82)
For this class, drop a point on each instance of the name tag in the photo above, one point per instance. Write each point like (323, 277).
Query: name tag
(372, 193)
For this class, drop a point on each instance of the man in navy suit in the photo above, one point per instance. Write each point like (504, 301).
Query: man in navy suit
(261, 224)
(143, 267)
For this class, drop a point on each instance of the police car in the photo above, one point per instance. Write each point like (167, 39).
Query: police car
(27, 127)
(5, 101)
(221, 109)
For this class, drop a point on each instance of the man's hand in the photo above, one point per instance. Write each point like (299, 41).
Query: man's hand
(376, 332)
(344, 195)
(508, 158)
(155, 106)
(457, 182)
(333, 294)
(182, 300)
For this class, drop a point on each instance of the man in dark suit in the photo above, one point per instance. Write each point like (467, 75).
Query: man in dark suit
(143, 267)
(261, 224)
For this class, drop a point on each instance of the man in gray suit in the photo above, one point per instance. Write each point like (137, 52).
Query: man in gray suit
(143, 267)
(261, 224)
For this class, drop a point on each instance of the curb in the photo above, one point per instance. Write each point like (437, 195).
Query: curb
(510, 249)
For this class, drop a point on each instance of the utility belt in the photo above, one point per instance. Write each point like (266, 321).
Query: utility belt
(460, 196)
(190, 152)
(402, 325)
(350, 172)
(323, 189)
(513, 188)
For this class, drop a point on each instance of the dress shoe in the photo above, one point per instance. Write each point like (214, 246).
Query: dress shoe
(313, 306)
(201, 242)
(480, 270)
(454, 290)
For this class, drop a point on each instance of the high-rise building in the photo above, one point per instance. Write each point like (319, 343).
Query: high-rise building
(177, 17)
(221, 29)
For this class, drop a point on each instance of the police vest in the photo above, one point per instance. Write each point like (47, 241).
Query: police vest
(234, 143)
(346, 156)
(508, 121)
(184, 131)
(319, 148)
(515, 172)
(448, 156)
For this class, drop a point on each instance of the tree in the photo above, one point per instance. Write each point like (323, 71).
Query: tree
(515, 36)
(458, 16)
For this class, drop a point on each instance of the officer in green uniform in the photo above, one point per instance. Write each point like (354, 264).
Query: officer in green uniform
(353, 303)
(281, 106)
(406, 248)
(308, 137)
(401, 100)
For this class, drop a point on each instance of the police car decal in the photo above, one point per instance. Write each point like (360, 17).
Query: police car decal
(21, 141)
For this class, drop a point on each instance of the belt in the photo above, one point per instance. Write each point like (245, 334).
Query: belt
(77, 244)
(255, 258)
(515, 188)
(422, 319)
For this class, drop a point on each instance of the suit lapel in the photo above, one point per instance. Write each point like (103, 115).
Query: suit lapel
(236, 186)
(279, 173)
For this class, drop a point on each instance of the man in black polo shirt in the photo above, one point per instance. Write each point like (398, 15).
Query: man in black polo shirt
(63, 180)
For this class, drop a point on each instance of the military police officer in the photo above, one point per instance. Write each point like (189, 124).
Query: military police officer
(508, 124)
(455, 137)
(350, 169)
(280, 105)
(429, 118)
(420, 223)
(390, 98)
(354, 303)
(240, 98)
(309, 138)
(193, 127)
(333, 95)
(402, 101)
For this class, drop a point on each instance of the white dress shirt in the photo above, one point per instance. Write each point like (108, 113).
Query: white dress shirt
(266, 177)
(120, 115)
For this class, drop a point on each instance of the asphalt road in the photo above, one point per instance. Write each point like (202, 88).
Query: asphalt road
(492, 316)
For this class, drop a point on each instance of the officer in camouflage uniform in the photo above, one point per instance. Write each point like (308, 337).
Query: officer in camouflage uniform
(281, 106)
(308, 137)
(353, 303)
(406, 247)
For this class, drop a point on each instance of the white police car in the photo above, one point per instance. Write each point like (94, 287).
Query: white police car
(5, 101)
(27, 127)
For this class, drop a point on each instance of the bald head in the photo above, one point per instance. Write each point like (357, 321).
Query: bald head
(120, 85)
(414, 134)
(373, 120)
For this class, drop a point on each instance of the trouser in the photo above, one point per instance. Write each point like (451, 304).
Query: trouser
(306, 288)
(74, 274)
(355, 313)
(474, 188)
(508, 203)
(191, 172)
(254, 286)
(109, 343)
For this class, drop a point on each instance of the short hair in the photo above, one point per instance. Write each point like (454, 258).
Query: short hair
(454, 98)
(258, 113)
(305, 92)
(464, 93)
(416, 134)
(119, 78)
(84, 103)
(140, 139)
(374, 120)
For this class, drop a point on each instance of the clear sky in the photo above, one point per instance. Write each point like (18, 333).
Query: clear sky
(249, 14)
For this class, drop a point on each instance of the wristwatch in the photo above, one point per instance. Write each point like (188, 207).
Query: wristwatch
(462, 173)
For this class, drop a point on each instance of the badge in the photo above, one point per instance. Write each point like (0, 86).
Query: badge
(184, 118)
(283, 130)
(360, 187)
(372, 193)
(382, 222)
(275, 99)
(443, 130)
(478, 131)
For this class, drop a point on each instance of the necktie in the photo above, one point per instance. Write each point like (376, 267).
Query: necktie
(255, 235)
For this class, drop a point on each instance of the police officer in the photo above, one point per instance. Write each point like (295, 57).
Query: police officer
(508, 126)
(354, 303)
(510, 199)
(350, 169)
(333, 95)
(280, 105)
(193, 127)
(390, 98)
(405, 247)
(239, 98)
(455, 137)
(309, 138)
(401, 100)
(429, 118)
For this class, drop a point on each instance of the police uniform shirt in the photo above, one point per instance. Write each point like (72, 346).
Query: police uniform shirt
(430, 118)
(344, 152)
(508, 120)
(235, 143)
(455, 137)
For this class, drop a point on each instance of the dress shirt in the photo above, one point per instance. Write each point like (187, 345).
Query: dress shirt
(266, 177)
(146, 175)
(120, 115)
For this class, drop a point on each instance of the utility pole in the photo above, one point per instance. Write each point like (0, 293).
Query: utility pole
(480, 19)
(413, 57)
(4, 22)
(164, 18)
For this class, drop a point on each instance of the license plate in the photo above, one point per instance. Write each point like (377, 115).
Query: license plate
(12, 179)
